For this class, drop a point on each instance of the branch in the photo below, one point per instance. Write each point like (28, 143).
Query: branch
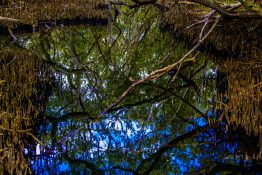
(15, 20)
(140, 3)
(229, 14)
(27, 131)
(180, 98)
(206, 22)
(123, 169)
(156, 98)
(244, 4)
(137, 3)
(71, 134)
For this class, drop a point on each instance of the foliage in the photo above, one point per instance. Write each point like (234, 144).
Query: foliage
(129, 96)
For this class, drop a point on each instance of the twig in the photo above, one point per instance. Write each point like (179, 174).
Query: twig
(27, 131)
(13, 36)
(71, 134)
(34, 137)
(208, 16)
(203, 20)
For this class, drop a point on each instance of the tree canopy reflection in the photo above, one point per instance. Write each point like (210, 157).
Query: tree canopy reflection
(134, 94)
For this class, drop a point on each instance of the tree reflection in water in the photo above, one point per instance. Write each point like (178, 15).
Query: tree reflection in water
(139, 88)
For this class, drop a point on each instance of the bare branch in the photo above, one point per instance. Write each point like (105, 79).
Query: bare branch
(15, 20)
